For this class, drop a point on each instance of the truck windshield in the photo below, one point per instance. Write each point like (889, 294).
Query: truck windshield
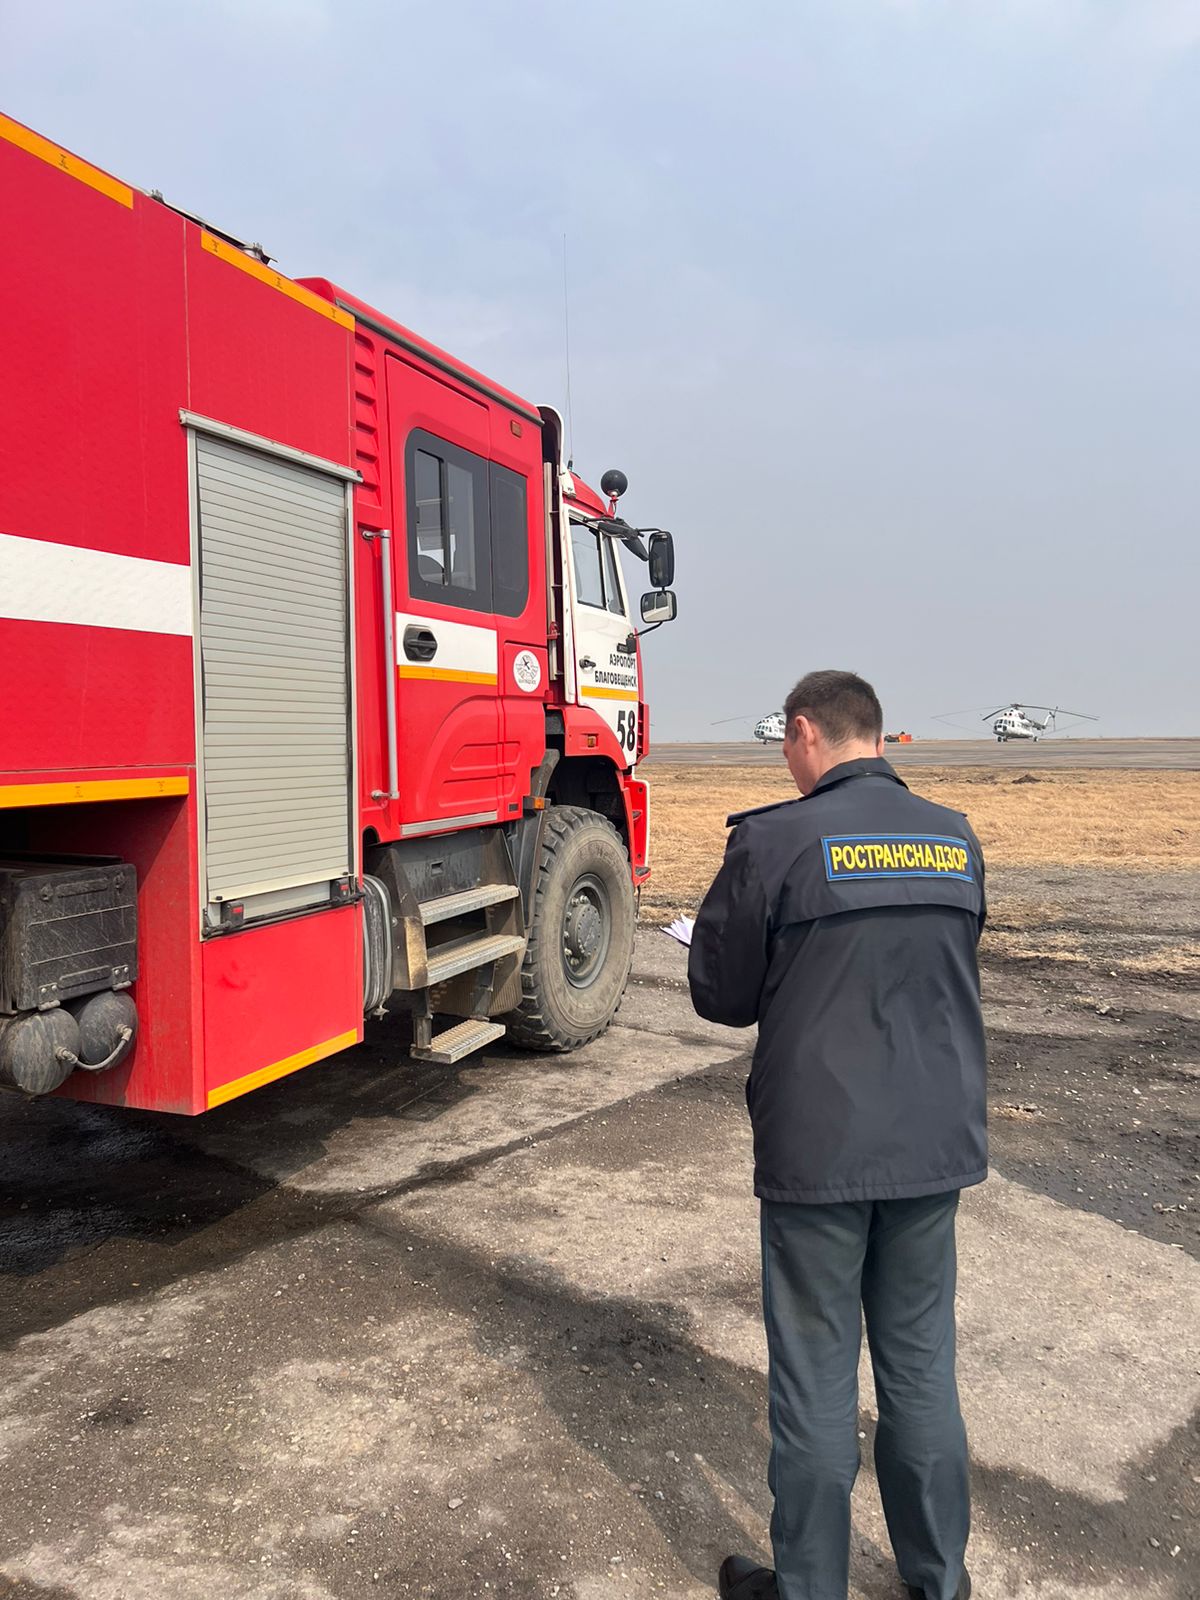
(596, 581)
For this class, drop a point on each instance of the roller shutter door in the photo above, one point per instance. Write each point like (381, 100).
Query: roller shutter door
(274, 659)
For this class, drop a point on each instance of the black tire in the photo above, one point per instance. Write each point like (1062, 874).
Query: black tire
(580, 946)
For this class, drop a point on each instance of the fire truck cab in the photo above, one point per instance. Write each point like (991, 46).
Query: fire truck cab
(323, 691)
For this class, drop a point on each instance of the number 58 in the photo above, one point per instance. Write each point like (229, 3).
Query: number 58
(627, 730)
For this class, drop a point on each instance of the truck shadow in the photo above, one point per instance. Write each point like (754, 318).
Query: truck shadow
(103, 1202)
(100, 1203)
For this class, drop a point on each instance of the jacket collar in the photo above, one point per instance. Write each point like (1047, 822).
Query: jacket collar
(864, 767)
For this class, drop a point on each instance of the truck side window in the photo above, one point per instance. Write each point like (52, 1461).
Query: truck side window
(589, 576)
(612, 586)
(461, 524)
(510, 542)
(430, 532)
(449, 558)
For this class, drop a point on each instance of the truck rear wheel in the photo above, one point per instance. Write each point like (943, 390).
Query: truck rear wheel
(580, 945)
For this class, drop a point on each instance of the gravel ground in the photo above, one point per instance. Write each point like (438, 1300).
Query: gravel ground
(386, 1329)
(1095, 1065)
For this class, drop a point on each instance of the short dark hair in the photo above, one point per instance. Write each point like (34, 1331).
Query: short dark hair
(843, 705)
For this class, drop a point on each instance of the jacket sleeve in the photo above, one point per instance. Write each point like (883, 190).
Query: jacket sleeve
(727, 965)
(978, 849)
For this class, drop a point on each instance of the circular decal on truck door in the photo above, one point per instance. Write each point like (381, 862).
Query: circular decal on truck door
(527, 671)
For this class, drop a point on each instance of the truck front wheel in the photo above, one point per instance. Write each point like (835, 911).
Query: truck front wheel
(580, 945)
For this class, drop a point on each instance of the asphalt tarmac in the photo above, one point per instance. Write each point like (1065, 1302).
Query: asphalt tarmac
(1146, 755)
(493, 1332)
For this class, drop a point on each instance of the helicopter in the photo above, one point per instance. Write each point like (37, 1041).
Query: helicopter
(1016, 721)
(767, 730)
(770, 729)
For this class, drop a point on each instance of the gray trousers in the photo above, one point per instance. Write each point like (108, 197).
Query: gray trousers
(823, 1268)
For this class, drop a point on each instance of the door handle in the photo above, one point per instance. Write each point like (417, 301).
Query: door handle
(586, 661)
(384, 535)
(420, 644)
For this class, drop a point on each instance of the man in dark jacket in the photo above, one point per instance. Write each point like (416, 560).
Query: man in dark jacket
(845, 924)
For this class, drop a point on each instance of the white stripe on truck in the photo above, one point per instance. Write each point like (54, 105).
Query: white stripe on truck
(465, 651)
(45, 582)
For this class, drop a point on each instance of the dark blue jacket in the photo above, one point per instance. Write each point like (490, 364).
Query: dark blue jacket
(845, 924)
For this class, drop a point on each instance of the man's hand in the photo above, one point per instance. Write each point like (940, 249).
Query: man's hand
(727, 965)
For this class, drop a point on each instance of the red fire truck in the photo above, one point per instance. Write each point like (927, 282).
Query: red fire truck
(320, 682)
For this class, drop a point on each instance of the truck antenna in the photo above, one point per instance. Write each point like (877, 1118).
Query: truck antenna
(567, 344)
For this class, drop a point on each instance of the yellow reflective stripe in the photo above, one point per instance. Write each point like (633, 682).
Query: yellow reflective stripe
(62, 794)
(55, 156)
(446, 675)
(595, 693)
(225, 251)
(280, 1069)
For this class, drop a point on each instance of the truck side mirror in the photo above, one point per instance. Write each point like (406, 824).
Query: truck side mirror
(660, 605)
(662, 560)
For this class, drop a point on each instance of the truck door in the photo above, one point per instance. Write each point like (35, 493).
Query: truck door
(447, 704)
(605, 661)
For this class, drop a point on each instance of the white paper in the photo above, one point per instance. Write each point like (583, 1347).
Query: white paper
(681, 929)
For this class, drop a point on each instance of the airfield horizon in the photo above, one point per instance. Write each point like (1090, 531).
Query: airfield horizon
(1148, 754)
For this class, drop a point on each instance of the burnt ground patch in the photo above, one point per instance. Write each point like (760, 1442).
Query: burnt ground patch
(1094, 1060)
(1110, 1124)
(101, 1203)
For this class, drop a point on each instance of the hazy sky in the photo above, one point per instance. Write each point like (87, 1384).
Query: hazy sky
(890, 309)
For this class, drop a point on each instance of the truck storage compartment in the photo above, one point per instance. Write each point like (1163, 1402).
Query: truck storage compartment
(68, 927)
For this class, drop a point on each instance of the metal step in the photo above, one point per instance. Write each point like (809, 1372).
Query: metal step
(463, 954)
(457, 905)
(459, 1041)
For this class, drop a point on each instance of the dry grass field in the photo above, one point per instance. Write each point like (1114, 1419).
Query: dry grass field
(1141, 821)
(1122, 819)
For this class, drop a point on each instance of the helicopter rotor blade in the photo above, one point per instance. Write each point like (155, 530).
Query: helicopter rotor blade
(954, 719)
(1059, 711)
(969, 711)
(1073, 721)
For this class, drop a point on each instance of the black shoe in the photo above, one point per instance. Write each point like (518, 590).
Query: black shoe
(963, 1592)
(743, 1579)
